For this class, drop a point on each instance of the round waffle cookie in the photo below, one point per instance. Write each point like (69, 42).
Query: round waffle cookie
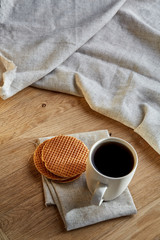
(65, 156)
(40, 166)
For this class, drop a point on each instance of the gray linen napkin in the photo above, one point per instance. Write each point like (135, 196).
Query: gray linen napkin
(73, 199)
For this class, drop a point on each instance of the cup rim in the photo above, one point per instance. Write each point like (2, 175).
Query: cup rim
(114, 139)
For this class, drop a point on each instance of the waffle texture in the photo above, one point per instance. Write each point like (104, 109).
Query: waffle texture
(65, 156)
(61, 159)
(40, 166)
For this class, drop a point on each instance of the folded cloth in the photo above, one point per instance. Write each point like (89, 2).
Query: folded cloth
(73, 199)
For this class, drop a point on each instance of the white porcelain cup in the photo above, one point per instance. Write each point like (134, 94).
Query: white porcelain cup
(101, 186)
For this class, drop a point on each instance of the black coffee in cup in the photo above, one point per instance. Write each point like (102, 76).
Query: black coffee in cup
(113, 159)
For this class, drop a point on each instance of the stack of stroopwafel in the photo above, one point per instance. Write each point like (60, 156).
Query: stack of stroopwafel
(62, 158)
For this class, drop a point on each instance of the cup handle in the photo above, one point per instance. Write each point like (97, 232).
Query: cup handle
(97, 197)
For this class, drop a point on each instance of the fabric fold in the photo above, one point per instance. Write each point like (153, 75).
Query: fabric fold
(47, 35)
(117, 71)
(107, 52)
(7, 74)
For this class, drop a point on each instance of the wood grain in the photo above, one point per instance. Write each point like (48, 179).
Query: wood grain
(34, 113)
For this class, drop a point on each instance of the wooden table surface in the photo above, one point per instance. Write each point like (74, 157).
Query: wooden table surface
(34, 113)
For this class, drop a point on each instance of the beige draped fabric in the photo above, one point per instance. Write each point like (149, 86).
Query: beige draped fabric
(106, 51)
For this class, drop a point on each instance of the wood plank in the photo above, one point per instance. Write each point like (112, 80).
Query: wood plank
(34, 113)
(28, 217)
(3, 235)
